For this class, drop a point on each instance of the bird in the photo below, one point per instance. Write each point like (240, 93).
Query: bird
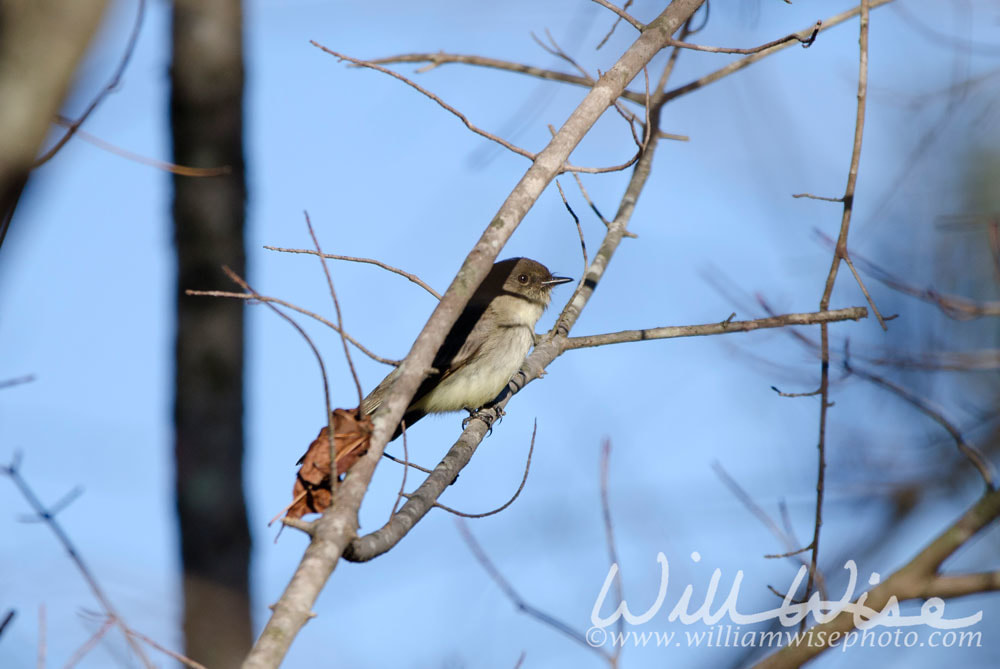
(484, 348)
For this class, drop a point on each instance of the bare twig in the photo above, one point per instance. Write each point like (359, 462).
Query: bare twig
(442, 58)
(186, 661)
(812, 393)
(90, 643)
(725, 327)
(164, 165)
(614, 25)
(805, 41)
(824, 303)
(406, 468)
(264, 299)
(16, 381)
(969, 450)
(116, 77)
(233, 276)
(517, 493)
(515, 598)
(7, 618)
(13, 472)
(791, 548)
(609, 537)
(818, 197)
(340, 329)
(468, 124)
(566, 167)
(576, 220)
(42, 641)
(622, 14)
(406, 463)
(864, 290)
(371, 261)
(952, 306)
(742, 63)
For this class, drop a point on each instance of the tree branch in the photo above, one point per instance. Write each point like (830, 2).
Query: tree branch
(724, 327)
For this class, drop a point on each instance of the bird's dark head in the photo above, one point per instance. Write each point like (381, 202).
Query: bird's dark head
(521, 277)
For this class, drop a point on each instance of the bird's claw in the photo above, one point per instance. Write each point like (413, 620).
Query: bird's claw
(485, 417)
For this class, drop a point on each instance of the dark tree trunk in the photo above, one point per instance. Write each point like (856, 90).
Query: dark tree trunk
(206, 115)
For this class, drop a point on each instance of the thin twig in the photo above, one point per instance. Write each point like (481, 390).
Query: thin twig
(953, 306)
(613, 26)
(163, 165)
(806, 42)
(609, 538)
(515, 598)
(864, 291)
(742, 63)
(319, 358)
(264, 299)
(468, 124)
(16, 381)
(116, 77)
(371, 261)
(186, 661)
(42, 643)
(969, 450)
(7, 618)
(818, 197)
(576, 220)
(824, 303)
(340, 324)
(792, 550)
(89, 644)
(622, 14)
(406, 461)
(13, 472)
(442, 58)
(517, 493)
(812, 393)
(725, 327)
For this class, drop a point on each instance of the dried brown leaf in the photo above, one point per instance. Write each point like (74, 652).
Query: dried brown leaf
(351, 435)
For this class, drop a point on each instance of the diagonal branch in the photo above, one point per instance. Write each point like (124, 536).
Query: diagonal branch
(966, 448)
(516, 598)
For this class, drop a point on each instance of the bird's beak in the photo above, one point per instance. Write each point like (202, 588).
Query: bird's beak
(556, 280)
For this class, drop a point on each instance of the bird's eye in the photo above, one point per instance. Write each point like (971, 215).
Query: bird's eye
(523, 278)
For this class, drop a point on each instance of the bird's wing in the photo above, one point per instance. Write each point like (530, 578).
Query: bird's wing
(463, 341)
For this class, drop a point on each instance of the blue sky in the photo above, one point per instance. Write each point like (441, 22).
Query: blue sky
(86, 282)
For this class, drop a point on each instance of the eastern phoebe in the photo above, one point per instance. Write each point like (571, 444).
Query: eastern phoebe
(486, 345)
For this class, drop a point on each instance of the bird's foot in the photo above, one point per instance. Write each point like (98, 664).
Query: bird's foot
(486, 417)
